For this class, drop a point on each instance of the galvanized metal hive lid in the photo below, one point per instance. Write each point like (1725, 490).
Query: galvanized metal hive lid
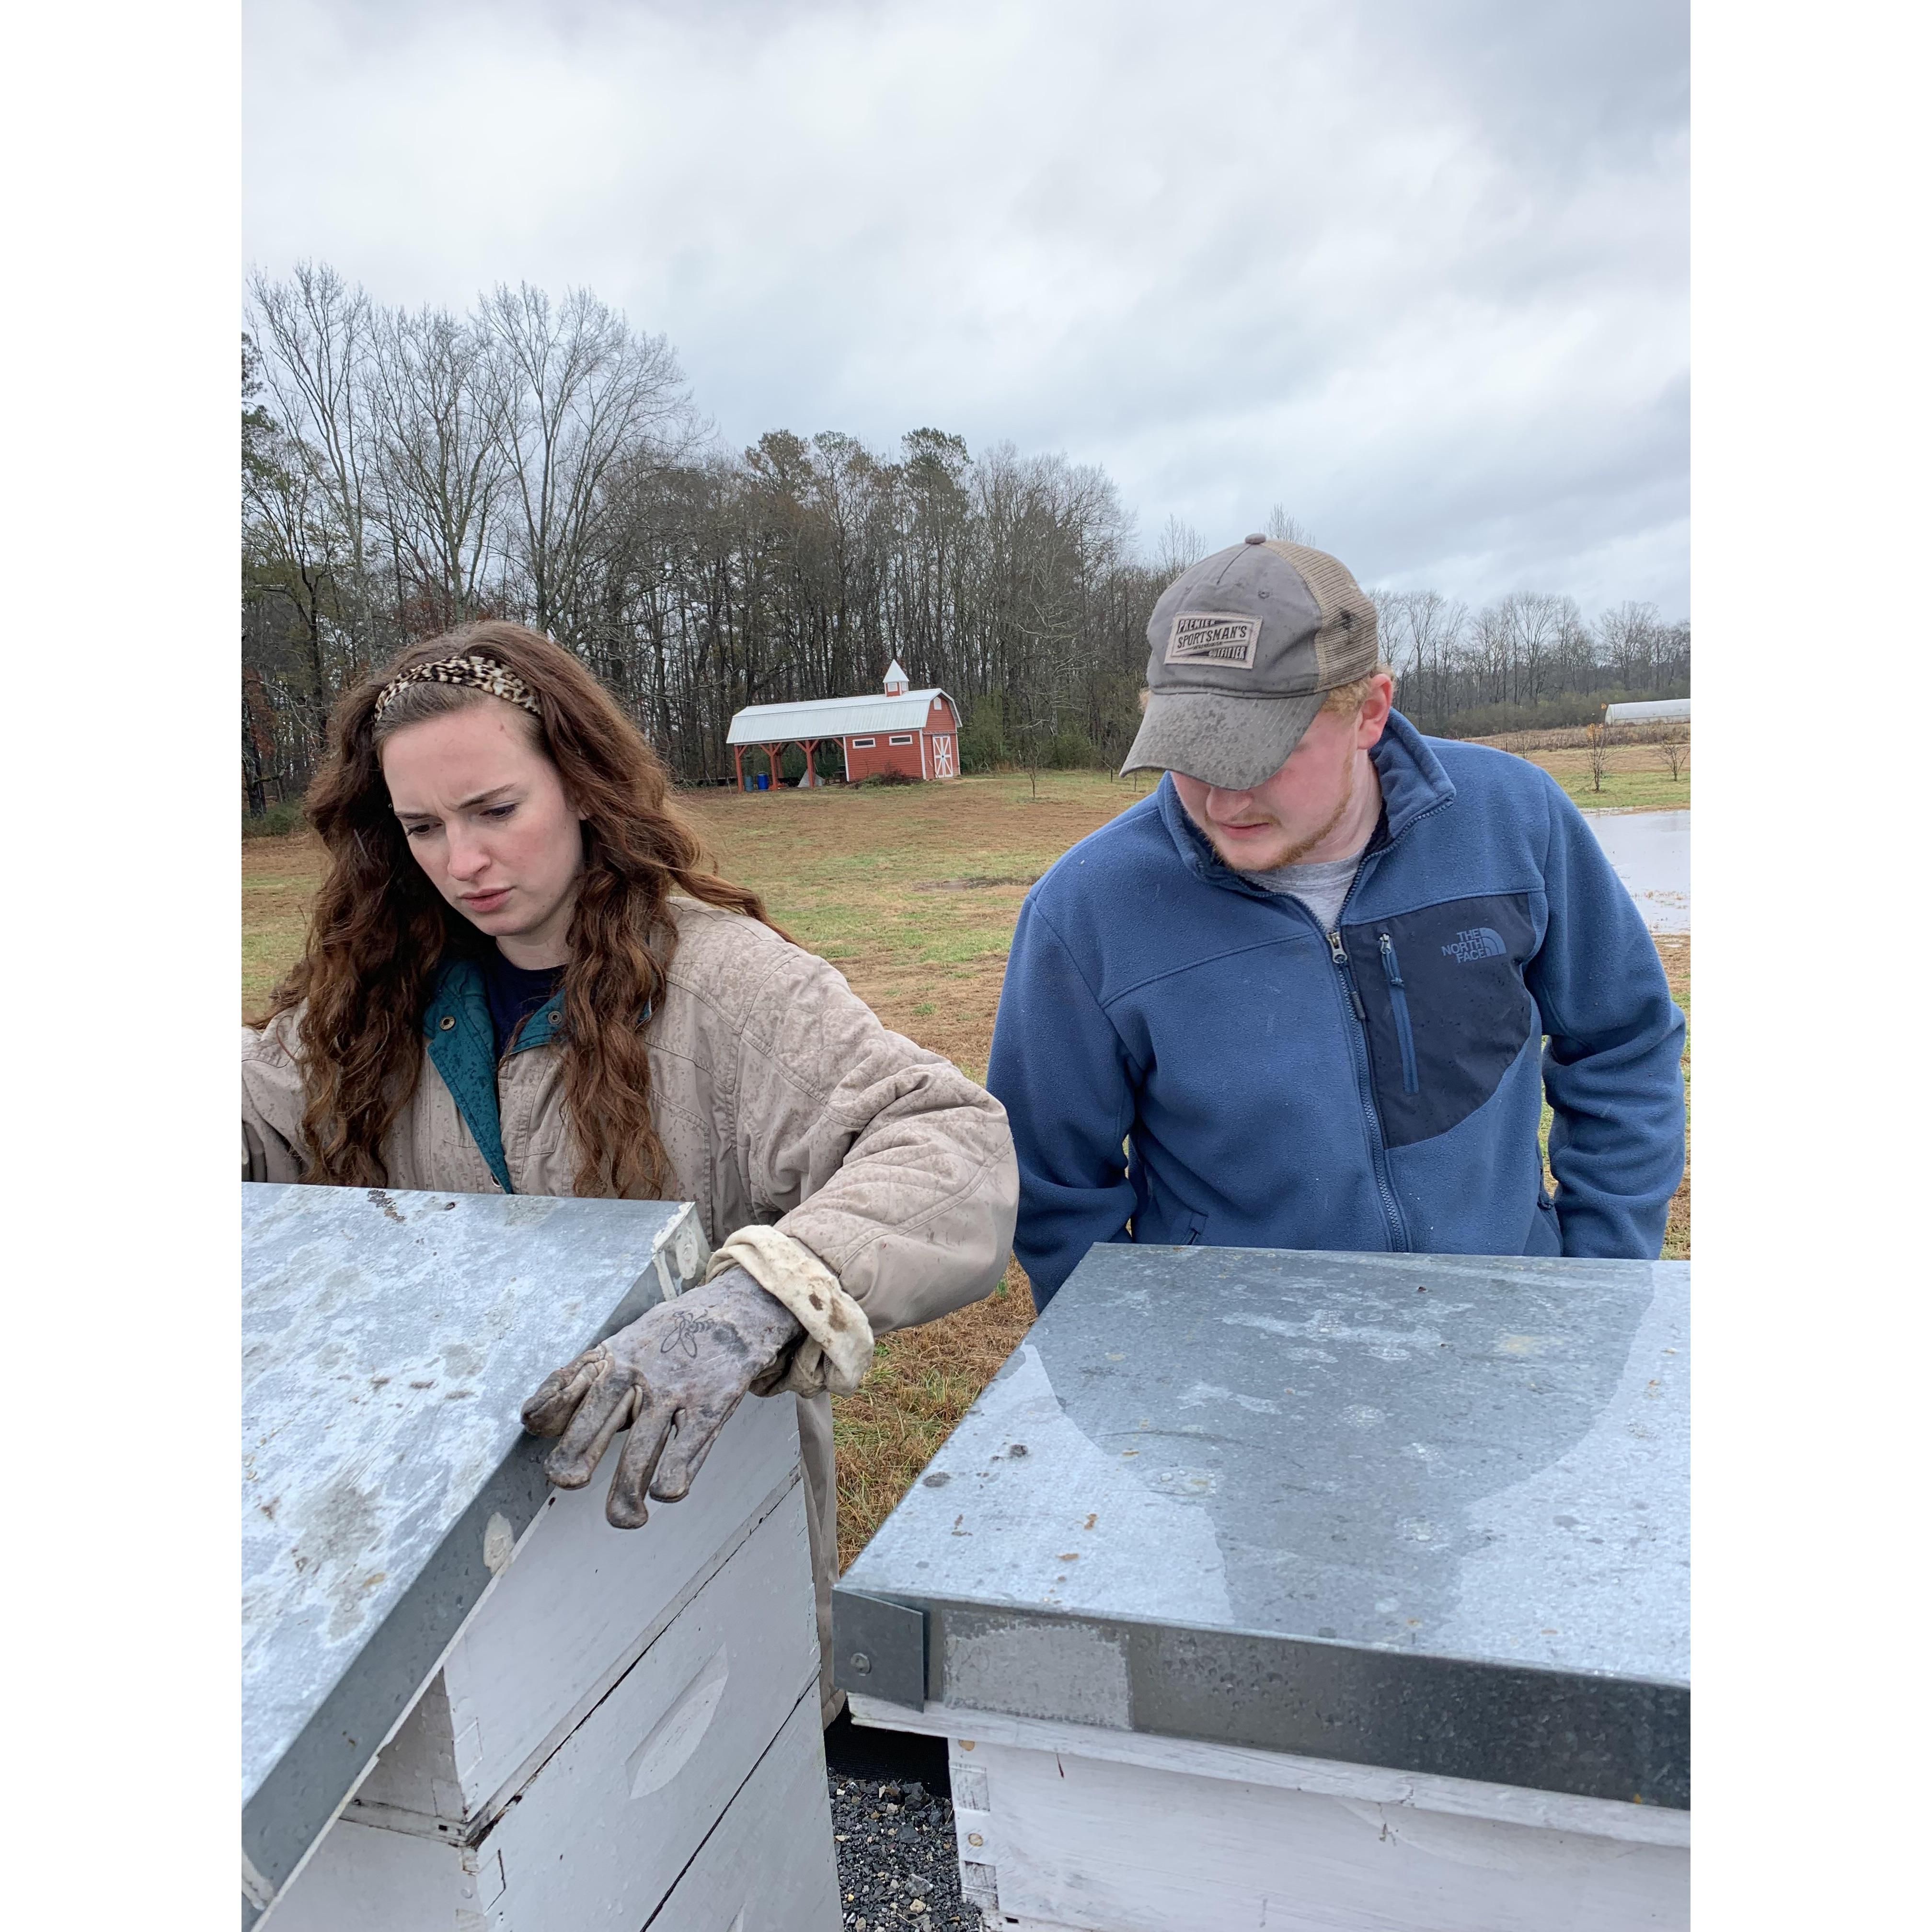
(1452, 1490)
(389, 1339)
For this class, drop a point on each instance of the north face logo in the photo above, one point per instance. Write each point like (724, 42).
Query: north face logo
(1479, 942)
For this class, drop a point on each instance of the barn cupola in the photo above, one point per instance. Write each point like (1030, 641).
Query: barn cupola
(897, 682)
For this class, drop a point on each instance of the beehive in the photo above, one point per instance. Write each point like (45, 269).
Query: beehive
(468, 1701)
(1308, 1590)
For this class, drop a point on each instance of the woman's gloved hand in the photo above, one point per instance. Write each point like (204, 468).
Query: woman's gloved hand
(672, 1378)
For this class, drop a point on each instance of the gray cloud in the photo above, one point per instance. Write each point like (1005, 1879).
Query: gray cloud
(1415, 268)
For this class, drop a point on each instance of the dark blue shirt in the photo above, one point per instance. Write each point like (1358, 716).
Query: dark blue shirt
(515, 993)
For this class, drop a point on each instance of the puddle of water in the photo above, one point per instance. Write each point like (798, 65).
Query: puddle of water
(1651, 851)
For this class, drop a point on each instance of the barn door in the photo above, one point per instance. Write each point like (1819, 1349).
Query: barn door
(942, 758)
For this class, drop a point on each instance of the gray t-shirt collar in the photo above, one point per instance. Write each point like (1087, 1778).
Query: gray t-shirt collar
(1322, 887)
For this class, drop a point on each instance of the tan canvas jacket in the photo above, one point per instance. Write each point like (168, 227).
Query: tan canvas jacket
(782, 1103)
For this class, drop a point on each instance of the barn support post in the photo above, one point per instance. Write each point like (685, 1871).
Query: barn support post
(777, 770)
(738, 764)
(810, 747)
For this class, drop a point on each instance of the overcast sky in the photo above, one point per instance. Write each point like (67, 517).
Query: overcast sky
(1415, 269)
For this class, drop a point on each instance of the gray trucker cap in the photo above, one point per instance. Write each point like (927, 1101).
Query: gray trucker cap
(1245, 646)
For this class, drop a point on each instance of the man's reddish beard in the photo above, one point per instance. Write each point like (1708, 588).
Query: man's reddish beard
(1297, 851)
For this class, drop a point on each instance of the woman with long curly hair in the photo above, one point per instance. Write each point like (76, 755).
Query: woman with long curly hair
(520, 977)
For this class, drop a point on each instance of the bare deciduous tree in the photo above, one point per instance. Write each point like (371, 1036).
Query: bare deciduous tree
(1597, 744)
(578, 393)
(442, 461)
(1181, 546)
(315, 331)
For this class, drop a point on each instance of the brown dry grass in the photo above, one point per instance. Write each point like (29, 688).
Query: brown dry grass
(1636, 776)
(1636, 779)
(279, 877)
(923, 1381)
(1574, 737)
(1674, 949)
(913, 893)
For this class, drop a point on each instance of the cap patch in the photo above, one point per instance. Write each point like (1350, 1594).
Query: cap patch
(1215, 637)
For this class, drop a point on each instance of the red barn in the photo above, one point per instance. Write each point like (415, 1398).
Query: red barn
(915, 732)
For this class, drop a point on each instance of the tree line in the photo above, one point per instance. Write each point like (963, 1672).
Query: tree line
(1528, 660)
(405, 471)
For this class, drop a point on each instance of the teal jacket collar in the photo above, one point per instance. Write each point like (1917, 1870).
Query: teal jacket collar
(463, 1049)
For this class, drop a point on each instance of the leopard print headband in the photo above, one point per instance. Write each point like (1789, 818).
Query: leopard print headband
(476, 673)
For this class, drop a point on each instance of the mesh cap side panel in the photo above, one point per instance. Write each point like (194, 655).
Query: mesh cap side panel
(1345, 645)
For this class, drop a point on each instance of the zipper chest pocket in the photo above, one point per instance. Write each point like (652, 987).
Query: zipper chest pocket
(1405, 1034)
(1399, 1240)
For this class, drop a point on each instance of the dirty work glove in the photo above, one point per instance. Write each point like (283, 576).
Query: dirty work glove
(672, 1378)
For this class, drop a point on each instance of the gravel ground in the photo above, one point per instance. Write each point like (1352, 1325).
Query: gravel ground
(891, 1826)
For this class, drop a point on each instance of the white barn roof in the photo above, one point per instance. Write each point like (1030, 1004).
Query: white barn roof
(832, 717)
(1647, 710)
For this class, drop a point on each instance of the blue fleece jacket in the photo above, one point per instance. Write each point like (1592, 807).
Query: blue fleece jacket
(1377, 1088)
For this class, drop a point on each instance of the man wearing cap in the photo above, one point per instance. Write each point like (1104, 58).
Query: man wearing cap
(1312, 992)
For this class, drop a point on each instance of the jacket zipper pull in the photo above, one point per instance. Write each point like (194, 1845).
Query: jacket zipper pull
(1389, 966)
(1339, 956)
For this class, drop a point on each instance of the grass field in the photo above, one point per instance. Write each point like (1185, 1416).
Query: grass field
(1635, 777)
(913, 892)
